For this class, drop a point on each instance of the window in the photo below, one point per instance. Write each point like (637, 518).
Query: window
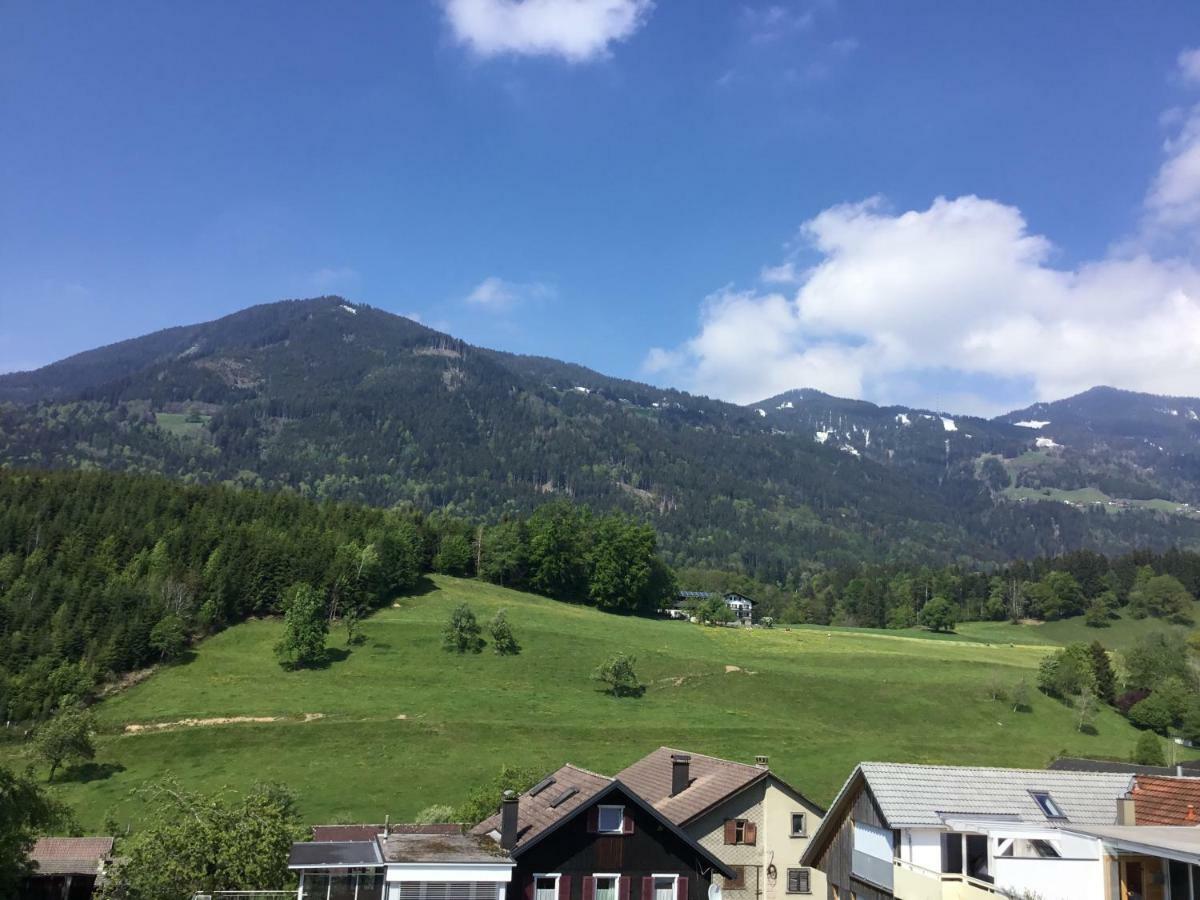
(606, 887)
(799, 825)
(545, 887)
(738, 881)
(799, 881)
(611, 820)
(1047, 805)
(665, 887)
(740, 831)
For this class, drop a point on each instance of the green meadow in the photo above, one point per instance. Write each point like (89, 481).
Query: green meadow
(396, 724)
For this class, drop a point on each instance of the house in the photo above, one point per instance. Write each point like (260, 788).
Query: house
(1186, 769)
(408, 862)
(740, 605)
(67, 868)
(919, 832)
(748, 817)
(578, 835)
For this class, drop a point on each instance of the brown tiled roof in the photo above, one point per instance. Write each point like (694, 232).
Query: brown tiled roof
(1166, 801)
(544, 805)
(369, 832)
(70, 856)
(711, 781)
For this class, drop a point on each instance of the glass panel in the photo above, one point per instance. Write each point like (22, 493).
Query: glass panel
(546, 889)
(664, 889)
(341, 887)
(316, 884)
(977, 857)
(952, 857)
(1179, 881)
(612, 818)
(371, 885)
(606, 889)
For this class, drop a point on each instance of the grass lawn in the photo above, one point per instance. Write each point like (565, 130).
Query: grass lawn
(178, 424)
(1120, 635)
(405, 724)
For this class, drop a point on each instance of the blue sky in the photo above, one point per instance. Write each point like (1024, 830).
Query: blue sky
(672, 191)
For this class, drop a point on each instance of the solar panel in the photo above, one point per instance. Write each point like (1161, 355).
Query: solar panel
(564, 797)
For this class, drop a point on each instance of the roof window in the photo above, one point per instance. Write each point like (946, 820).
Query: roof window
(1046, 803)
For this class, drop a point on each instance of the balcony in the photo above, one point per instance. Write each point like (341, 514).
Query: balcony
(912, 882)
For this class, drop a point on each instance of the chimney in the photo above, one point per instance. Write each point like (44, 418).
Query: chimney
(508, 820)
(762, 762)
(1126, 810)
(680, 768)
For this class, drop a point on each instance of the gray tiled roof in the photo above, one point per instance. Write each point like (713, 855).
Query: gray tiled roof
(915, 795)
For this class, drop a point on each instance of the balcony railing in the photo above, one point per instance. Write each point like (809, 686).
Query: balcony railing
(244, 895)
(951, 884)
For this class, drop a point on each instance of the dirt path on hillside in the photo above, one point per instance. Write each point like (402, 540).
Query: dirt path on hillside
(136, 728)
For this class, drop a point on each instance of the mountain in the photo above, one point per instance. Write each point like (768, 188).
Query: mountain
(343, 401)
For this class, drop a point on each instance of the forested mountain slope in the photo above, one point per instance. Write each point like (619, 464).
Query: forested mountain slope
(343, 401)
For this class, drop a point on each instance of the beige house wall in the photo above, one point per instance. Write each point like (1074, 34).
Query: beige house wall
(770, 808)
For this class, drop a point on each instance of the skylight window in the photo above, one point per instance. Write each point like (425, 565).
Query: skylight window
(541, 786)
(1047, 805)
(564, 797)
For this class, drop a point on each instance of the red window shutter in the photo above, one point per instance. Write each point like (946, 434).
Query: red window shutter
(564, 887)
(751, 833)
(589, 887)
(731, 831)
(647, 888)
(681, 892)
(593, 820)
(627, 824)
(623, 884)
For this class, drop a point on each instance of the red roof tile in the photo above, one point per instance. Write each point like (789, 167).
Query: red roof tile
(711, 780)
(1166, 801)
(70, 856)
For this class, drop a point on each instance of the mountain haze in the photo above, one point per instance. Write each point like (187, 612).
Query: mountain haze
(344, 401)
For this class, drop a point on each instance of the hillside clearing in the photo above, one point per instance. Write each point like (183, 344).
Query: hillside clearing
(406, 725)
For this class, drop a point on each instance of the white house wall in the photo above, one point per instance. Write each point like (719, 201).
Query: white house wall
(1052, 879)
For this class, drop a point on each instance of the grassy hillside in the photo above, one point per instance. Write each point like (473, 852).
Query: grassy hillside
(404, 725)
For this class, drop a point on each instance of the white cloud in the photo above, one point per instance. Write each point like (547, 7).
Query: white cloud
(784, 273)
(1174, 198)
(962, 287)
(497, 295)
(1189, 66)
(775, 21)
(576, 30)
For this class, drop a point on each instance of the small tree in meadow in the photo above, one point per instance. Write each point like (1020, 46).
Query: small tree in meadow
(1086, 707)
(1149, 751)
(66, 738)
(938, 615)
(618, 673)
(353, 622)
(1022, 696)
(462, 633)
(305, 628)
(503, 640)
(169, 637)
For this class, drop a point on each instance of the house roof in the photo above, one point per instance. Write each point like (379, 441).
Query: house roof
(1166, 801)
(370, 832)
(550, 801)
(1079, 764)
(916, 796)
(442, 848)
(711, 780)
(313, 854)
(1173, 841)
(70, 856)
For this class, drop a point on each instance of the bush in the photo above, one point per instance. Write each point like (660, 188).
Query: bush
(66, 738)
(304, 628)
(618, 673)
(1153, 713)
(938, 615)
(1149, 751)
(503, 640)
(484, 799)
(454, 555)
(462, 633)
(433, 814)
(1022, 697)
(1068, 672)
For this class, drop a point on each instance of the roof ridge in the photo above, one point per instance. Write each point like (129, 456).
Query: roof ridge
(571, 765)
(1054, 773)
(732, 762)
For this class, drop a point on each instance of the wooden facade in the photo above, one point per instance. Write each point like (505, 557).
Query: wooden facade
(837, 860)
(647, 848)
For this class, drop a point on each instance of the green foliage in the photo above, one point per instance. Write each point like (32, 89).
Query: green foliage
(1190, 726)
(1153, 713)
(484, 799)
(1160, 596)
(169, 637)
(1022, 696)
(712, 610)
(454, 556)
(1086, 707)
(902, 615)
(1149, 750)
(1155, 658)
(1097, 615)
(1068, 672)
(462, 633)
(352, 620)
(617, 672)
(1104, 678)
(305, 627)
(26, 811)
(189, 842)
(1056, 596)
(503, 641)
(939, 615)
(625, 573)
(994, 475)
(435, 814)
(66, 738)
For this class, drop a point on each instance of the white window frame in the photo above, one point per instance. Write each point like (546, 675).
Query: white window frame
(665, 875)
(555, 875)
(620, 829)
(616, 878)
(803, 832)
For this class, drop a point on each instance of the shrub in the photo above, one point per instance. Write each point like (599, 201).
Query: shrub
(1149, 751)
(454, 555)
(439, 812)
(938, 615)
(1153, 713)
(503, 640)
(462, 633)
(618, 673)
(304, 628)
(66, 738)
(1022, 697)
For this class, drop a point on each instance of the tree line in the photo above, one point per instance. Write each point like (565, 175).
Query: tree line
(104, 573)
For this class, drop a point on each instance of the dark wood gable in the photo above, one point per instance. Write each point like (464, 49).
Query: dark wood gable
(646, 847)
(838, 857)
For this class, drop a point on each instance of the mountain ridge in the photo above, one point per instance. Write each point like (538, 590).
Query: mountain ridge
(347, 401)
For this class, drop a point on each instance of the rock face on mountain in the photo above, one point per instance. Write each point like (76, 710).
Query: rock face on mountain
(347, 402)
